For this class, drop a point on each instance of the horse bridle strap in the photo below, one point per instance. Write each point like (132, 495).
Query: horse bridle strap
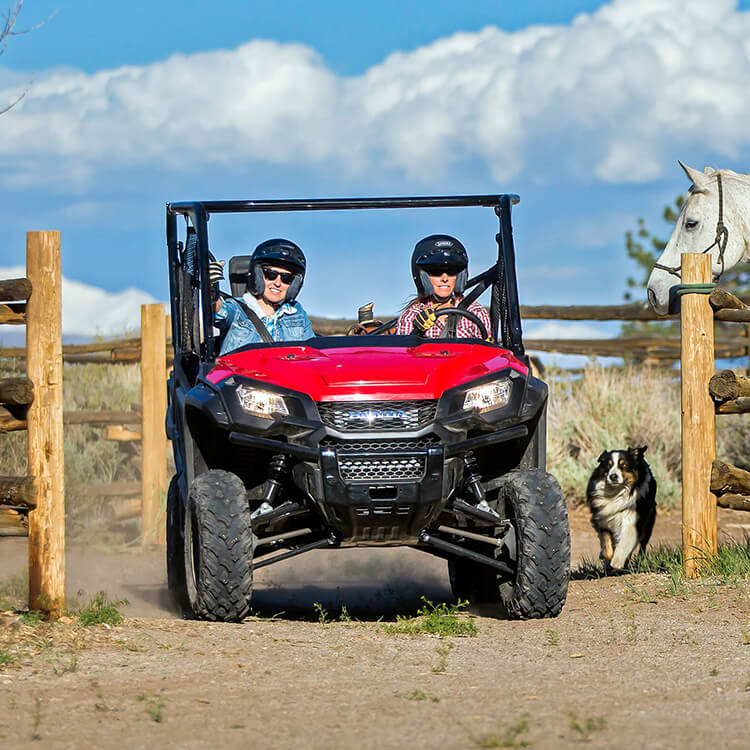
(720, 240)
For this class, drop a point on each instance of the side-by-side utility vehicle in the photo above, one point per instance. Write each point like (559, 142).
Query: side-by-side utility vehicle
(369, 440)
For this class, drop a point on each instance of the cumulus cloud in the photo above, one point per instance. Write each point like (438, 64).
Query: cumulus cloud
(88, 310)
(604, 98)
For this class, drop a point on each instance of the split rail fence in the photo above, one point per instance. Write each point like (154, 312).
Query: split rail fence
(706, 482)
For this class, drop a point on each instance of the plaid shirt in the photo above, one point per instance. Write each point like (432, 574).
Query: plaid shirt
(465, 329)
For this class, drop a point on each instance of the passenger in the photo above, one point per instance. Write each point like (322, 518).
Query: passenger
(440, 269)
(274, 279)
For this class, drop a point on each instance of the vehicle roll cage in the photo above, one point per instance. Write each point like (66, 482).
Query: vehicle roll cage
(505, 314)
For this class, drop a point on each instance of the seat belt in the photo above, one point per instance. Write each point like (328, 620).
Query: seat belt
(252, 316)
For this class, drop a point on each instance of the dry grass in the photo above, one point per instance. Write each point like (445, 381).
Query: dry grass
(609, 408)
(88, 458)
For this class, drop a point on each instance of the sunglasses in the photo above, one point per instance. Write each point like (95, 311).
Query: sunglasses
(270, 274)
(440, 270)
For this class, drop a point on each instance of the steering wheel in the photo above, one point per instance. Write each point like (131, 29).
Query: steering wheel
(475, 319)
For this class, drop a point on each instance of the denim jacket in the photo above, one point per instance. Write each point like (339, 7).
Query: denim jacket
(288, 323)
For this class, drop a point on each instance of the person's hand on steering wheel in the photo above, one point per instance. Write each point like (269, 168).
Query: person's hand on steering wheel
(423, 321)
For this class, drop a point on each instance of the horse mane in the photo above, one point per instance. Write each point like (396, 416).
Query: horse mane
(741, 176)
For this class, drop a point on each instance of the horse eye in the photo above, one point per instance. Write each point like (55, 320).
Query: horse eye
(691, 223)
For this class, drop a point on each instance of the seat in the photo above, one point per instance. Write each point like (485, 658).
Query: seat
(238, 268)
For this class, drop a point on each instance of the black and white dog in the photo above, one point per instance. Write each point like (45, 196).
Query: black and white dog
(621, 497)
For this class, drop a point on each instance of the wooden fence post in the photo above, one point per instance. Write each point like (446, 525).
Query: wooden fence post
(45, 423)
(153, 437)
(698, 418)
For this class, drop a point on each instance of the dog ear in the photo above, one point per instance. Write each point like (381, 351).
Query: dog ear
(603, 456)
(640, 451)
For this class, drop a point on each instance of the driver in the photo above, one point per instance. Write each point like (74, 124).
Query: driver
(440, 269)
(268, 311)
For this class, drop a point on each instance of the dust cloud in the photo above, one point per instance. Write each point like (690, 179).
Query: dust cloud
(369, 582)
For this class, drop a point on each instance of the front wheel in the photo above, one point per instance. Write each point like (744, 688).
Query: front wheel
(219, 547)
(542, 540)
(536, 546)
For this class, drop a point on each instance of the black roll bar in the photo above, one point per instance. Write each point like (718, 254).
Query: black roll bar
(342, 204)
(507, 250)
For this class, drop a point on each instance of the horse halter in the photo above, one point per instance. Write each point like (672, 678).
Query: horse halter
(720, 240)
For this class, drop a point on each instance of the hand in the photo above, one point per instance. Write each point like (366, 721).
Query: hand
(423, 321)
(216, 271)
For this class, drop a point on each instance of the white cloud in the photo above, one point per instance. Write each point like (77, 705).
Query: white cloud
(610, 97)
(562, 330)
(88, 310)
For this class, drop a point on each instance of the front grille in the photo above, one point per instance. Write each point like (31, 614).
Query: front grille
(363, 416)
(381, 461)
(346, 447)
(386, 469)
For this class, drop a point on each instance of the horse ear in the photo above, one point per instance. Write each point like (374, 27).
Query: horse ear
(697, 178)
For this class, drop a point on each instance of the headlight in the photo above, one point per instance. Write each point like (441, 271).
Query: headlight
(261, 403)
(487, 397)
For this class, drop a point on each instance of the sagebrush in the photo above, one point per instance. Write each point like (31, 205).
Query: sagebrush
(608, 408)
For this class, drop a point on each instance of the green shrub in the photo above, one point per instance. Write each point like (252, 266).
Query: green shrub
(101, 610)
(434, 619)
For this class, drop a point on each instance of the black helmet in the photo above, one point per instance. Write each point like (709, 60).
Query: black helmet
(438, 250)
(276, 252)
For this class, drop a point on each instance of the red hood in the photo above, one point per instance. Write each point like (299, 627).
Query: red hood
(367, 373)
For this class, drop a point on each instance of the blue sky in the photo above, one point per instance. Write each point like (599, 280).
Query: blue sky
(581, 107)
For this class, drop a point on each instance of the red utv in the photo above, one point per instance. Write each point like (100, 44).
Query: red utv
(374, 440)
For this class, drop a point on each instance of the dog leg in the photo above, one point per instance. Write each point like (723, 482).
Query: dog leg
(605, 541)
(625, 545)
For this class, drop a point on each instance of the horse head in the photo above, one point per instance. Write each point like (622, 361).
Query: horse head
(713, 219)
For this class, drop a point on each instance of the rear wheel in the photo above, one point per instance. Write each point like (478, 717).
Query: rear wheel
(176, 549)
(219, 547)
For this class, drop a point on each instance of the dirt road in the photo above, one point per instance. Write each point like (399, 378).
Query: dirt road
(632, 661)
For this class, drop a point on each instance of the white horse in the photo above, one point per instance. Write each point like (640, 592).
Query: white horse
(715, 219)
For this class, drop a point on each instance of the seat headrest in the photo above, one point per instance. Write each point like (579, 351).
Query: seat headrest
(238, 268)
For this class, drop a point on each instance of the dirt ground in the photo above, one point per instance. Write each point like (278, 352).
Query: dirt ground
(631, 661)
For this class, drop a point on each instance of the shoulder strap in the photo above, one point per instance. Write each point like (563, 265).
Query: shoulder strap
(252, 316)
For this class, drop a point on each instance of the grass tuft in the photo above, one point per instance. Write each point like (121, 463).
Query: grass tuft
(420, 695)
(32, 618)
(586, 727)
(509, 736)
(102, 610)
(322, 613)
(6, 657)
(434, 619)
(731, 565)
